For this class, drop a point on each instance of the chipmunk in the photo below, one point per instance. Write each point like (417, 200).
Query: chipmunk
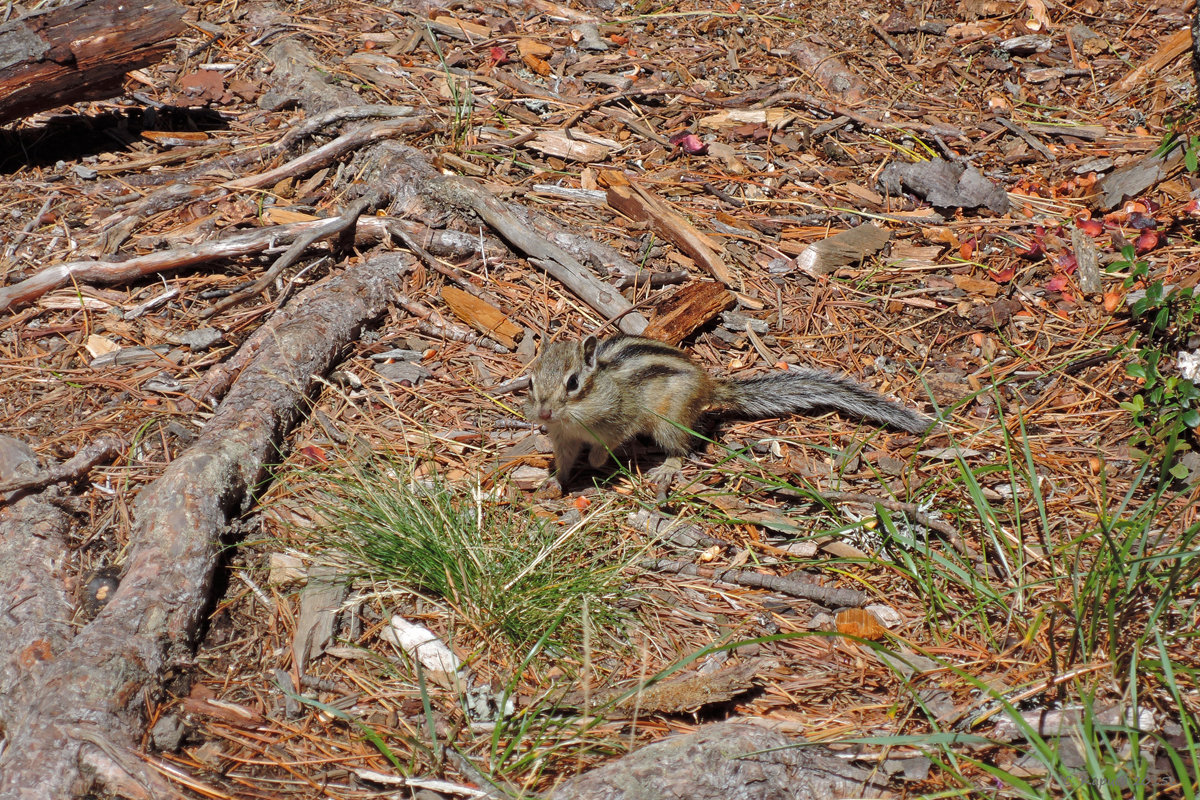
(603, 393)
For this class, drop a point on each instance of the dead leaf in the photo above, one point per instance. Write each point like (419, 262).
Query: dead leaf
(482, 316)
(530, 47)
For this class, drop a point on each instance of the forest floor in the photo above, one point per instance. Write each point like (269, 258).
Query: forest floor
(1035, 554)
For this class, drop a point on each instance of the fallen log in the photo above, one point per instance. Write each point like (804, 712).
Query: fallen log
(80, 51)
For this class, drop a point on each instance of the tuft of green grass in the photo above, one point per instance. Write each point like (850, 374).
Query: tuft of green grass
(502, 570)
(1115, 605)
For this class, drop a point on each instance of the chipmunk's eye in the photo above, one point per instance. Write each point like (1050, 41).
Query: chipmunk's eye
(572, 382)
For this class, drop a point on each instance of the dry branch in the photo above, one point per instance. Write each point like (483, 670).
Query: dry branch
(372, 229)
(80, 52)
(97, 452)
(108, 272)
(328, 227)
(543, 253)
(825, 595)
(79, 715)
(328, 153)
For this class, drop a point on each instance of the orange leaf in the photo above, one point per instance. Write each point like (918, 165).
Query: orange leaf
(861, 623)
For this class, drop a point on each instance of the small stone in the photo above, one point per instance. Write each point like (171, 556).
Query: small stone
(167, 733)
(201, 338)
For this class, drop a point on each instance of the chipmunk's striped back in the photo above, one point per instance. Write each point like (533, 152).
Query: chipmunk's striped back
(603, 393)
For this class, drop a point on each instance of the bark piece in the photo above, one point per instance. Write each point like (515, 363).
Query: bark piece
(830, 71)
(641, 206)
(319, 603)
(690, 308)
(945, 184)
(37, 602)
(1133, 179)
(80, 51)
(482, 316)
(847, 247)
(693, 692)
(77, 719)
(1088, 261)
(724, 762)
(577, 146)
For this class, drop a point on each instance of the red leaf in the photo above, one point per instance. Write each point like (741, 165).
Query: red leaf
(1003, 276)
(1035, 251)
(1147, 241)
(314, 453)
(690, 143)
(1057, 283)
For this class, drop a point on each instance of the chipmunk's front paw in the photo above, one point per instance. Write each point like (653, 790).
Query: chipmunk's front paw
(664, 476)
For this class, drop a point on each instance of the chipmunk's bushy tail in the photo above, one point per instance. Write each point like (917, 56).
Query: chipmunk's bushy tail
(800, 390)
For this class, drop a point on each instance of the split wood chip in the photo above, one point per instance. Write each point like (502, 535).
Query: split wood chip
(379, 69)
(100, 346)
(576, 147)
(72, 300)
(862, 194)
(773, 118)
(460, 29)
(229, 713)
(531, 47)
(284, 216)
(906, 255)
(483, 317)
(1168, 51)
(1089, 132)
(691, 307)
(641, 205)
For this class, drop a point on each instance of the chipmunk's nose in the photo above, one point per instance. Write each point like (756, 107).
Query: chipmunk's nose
(544, 414)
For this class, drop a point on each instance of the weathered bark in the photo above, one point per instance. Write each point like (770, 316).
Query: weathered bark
(724, 762)
(80, 51)
(75, 719)
(36, 600)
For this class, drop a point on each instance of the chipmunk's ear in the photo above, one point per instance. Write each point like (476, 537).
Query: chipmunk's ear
(589, 352)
